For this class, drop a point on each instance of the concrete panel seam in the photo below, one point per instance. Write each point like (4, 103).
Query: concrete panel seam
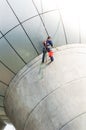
(50, 94)
(81, 114)
(23, 74)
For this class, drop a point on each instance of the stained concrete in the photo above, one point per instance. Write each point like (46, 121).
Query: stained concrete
(50, 96)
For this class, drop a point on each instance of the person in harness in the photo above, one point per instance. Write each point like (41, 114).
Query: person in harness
(48, 44)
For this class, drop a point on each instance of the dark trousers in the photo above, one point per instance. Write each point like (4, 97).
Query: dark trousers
(43, 56)
(52, 58)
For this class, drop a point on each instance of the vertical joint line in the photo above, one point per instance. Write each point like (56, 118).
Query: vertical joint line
(63, 27)
(40, 17)
(13, 48)
(22, 26)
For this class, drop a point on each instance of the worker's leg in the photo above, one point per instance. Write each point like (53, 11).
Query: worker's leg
(43, 57)
(50, 53)
(52, 58)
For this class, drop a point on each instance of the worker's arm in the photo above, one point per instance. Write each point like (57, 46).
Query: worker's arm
(51, 43)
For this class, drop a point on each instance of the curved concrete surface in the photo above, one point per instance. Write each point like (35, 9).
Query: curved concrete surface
(50, 96)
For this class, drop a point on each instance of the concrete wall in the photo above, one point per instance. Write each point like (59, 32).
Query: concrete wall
(50, 96)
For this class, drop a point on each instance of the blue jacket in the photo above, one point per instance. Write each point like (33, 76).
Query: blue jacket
(49, 43)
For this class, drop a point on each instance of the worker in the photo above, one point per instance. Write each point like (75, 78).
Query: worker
(49, 45)
(44, 51)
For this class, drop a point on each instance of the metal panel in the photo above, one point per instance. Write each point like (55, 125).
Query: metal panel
(23, 8)
(71, 24)
(59, 37)
(21, 43)
(36, 31)
(1, 101)
(2, 112)
(5, 74)
(9, 57)
(2, 89)
(51, 20)
(52, 23)
(7, 18)
(45, 5)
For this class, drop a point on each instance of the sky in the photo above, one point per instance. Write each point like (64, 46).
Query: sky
(9, 127)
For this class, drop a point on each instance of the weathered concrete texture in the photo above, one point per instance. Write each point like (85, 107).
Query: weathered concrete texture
(50, 96)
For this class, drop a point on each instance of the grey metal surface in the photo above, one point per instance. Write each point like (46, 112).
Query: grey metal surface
(50, 96)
